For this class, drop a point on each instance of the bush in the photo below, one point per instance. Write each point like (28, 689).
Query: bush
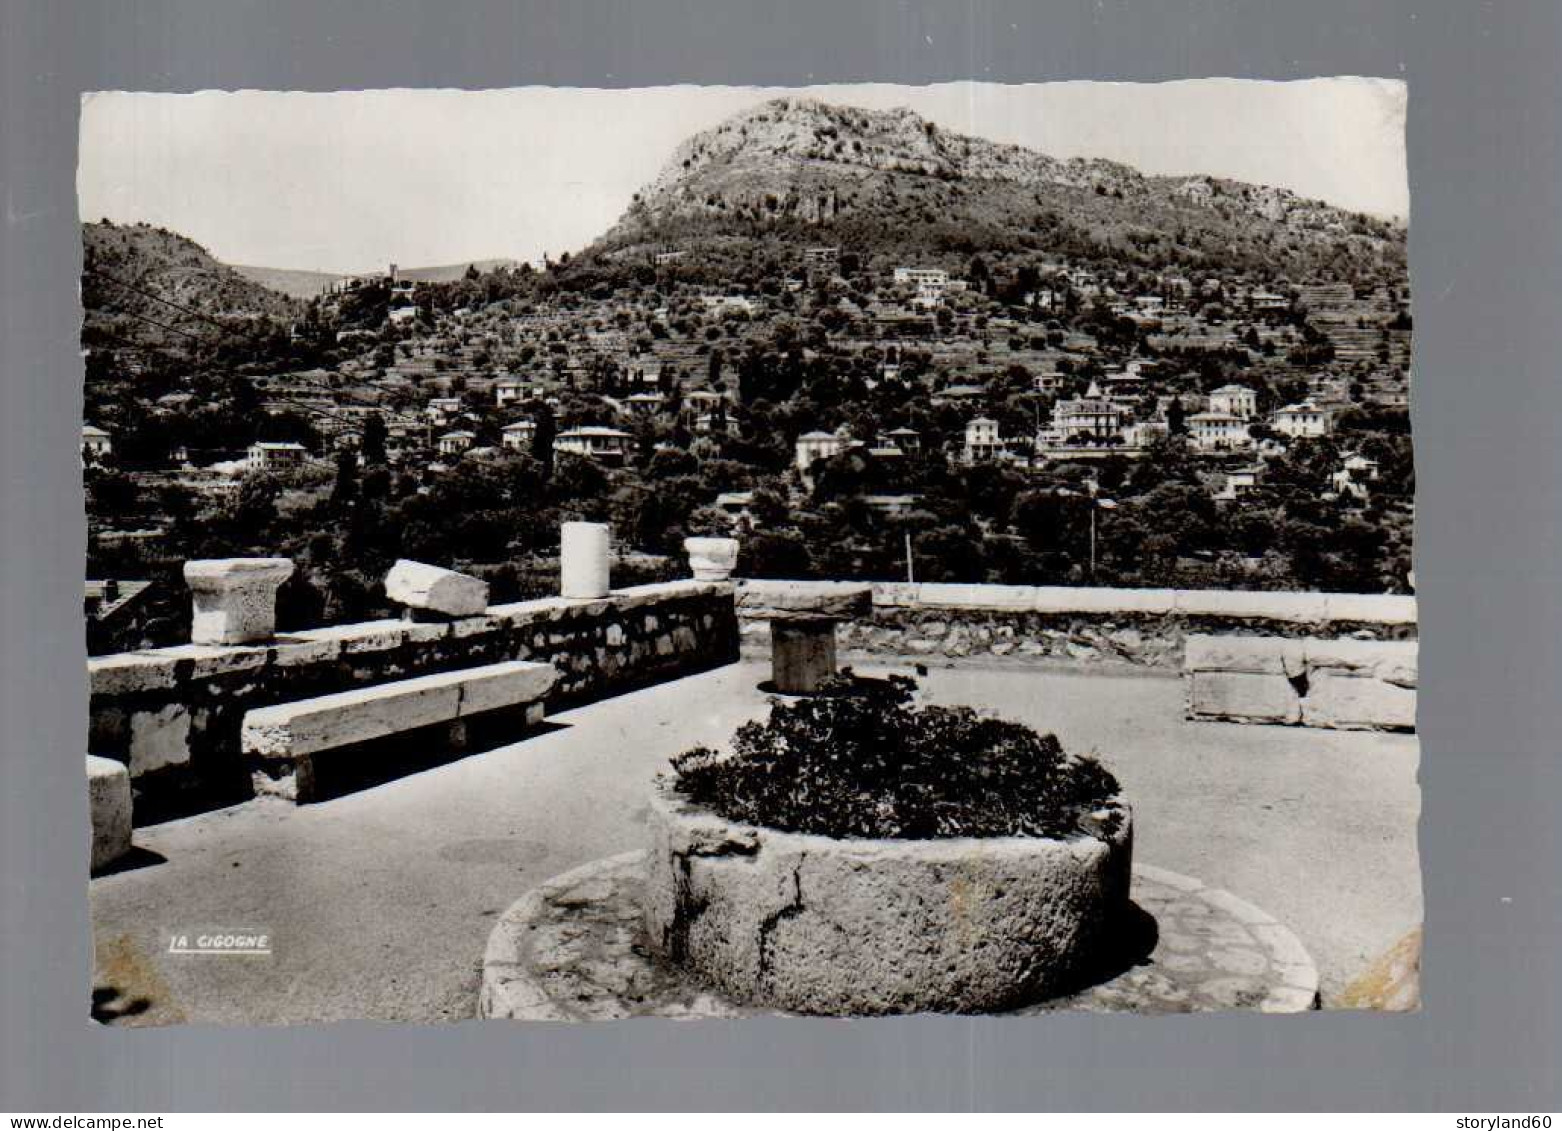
(860, 760)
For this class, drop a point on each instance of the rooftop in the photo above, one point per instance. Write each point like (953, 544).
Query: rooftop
(379, 902)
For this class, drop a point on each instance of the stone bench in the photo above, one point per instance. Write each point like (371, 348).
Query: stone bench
(108, 796)
(281, 740)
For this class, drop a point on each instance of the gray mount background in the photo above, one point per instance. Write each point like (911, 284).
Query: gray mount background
(1485, 169)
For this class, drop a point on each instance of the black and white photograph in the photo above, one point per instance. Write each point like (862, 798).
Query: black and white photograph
(719, 552)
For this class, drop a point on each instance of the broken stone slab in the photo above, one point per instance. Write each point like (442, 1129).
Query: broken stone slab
(432, 590)
(235, 598)
(108, 796)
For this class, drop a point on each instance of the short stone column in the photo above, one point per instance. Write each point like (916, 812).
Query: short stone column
(108, 795)
(584, 549)
(235, 598)
(802, 653)
(711, 559)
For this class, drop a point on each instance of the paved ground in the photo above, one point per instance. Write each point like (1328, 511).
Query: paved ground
(378, 903)
(571, 951)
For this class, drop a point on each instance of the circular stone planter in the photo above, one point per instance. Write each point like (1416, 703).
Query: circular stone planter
(813, 924)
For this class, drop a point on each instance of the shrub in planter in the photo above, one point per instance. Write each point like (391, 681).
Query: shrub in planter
(858, 853)
(862, 760)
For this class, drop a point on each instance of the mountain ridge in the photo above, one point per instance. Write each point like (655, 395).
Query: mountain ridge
(895, 176)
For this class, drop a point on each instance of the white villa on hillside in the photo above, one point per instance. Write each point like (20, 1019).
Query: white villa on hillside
(1091, 415)
(442, 409)
(1234, 400)
(95, 442)
(509, 390)
(982, 441)
(454, 443)
(267, 455)
(594, 441)
(813, 446)
(1302, 419)
(1218, 431)
(518, 435)
(921, 277)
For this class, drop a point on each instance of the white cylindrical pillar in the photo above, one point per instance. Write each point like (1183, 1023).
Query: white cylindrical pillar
(583, 560)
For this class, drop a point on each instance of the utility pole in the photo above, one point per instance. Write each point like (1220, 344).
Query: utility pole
(910, 571)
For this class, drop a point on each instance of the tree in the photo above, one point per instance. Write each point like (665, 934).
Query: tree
(344, 491)
(372, 444)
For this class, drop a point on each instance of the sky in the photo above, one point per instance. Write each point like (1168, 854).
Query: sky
(351, 181)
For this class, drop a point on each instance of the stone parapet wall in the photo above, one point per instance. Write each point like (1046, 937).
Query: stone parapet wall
(1144, 627)
(173, 715)
(1337, 684)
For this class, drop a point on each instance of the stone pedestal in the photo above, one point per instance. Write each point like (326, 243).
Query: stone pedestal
(584, 549)
(802, 628)
(235, 598)
(108, 794)
(802, 654)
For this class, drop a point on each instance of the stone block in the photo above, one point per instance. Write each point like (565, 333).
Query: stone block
(584, 558)
(235, 598)
(131, 672)
(360, 637)
(1258, 655)
(994, 598)
(207, 660)
(159, 739)
(1371, 608)
(1394, 661)
(1301, 608)
(1061, 599)
(434, 590)
(1344, 701)
(108, 796)
(1243, 696)
(827, 599)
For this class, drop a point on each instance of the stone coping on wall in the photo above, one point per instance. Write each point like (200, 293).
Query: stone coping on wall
(1299, 608)
(155, 669)
(175, 715)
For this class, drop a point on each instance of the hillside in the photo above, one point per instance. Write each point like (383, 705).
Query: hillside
(287, 281)
(452, 272)
(804, 171)
(156, 289)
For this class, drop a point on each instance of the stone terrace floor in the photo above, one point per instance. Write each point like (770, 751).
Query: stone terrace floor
(378, 903)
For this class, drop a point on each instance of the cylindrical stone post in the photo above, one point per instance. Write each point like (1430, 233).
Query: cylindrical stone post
(583, 560)
(802, 654)
(235, 598)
